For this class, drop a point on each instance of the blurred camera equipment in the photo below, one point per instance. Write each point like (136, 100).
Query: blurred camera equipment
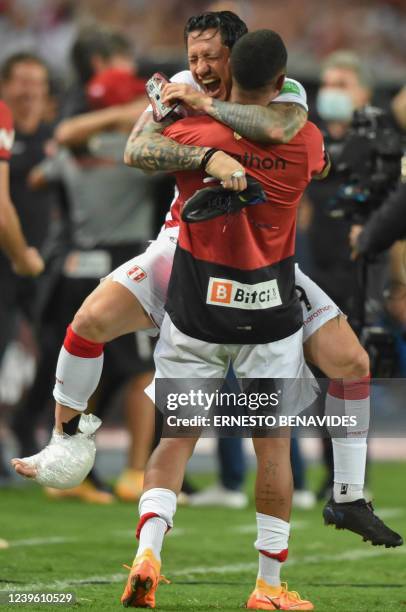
(369, 162)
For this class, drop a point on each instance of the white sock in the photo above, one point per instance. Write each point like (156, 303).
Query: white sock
(343, 493)
(350, 398)
(156, 508)
(152, 536)
(273, 537)
(78, 370)
(350, 455)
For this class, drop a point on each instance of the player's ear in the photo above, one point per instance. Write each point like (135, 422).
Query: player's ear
(279, 82)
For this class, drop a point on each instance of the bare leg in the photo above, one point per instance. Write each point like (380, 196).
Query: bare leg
(108, 312)
(166, 467)
(63, 414)
(336, 351)
(140, 415)
(274, 482)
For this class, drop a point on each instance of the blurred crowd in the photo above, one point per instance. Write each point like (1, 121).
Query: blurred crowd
(311, 29)
(76, 199)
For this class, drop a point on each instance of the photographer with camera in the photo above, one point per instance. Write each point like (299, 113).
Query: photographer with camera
(345, 87)
(385, 226)
(344, 94)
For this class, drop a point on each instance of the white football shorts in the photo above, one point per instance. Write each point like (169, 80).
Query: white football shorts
(147, 277)
(182, 358)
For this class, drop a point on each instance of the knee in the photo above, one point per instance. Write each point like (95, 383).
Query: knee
(178, 446)
(270, 447)
(354, 363)
(90, 323)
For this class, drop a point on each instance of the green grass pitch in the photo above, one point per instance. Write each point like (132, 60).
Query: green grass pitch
(209, 557)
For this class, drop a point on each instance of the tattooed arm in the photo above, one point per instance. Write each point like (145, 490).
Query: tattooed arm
(149, 150)
(273, 124)
(277, 123)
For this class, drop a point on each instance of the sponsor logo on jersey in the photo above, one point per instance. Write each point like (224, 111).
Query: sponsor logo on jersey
(229, 293)
(6, 139)
(249, 160)
(317, 313)
(136, 274)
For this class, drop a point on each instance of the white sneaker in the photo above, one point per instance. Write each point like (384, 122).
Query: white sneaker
(304, 500)
(217, 495)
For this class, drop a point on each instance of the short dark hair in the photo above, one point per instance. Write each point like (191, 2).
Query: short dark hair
(120, 44)
(91, 42)
(23, 57)
(258, 58)
(230, 26)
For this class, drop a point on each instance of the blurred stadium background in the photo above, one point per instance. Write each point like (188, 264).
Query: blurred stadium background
(311, 30)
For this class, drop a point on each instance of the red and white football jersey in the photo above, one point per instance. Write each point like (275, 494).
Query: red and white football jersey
(236, 273)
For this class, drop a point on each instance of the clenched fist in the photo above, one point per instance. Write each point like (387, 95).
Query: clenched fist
(228, 170)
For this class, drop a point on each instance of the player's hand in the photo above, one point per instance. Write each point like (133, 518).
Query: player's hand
(29, 264)
(228, 170)
(353, 237)
(178, 92)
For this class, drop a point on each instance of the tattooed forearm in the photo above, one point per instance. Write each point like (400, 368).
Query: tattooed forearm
(149, 150)
(160, 153)
(273, 124)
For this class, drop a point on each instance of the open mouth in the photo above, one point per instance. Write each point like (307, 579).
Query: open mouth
(211, 86)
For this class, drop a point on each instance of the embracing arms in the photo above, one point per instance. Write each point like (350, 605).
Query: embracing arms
(149, 150)
(276, 123)
(273, 124)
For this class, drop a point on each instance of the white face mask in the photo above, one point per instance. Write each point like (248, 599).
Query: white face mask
(334, 105)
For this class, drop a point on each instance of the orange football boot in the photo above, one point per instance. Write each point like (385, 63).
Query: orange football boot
(86, 491)
(266, 597)
(129, 486)
(143, 581)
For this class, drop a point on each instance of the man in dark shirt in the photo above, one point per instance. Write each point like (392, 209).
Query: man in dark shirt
(24, 87)
(25, 260)
(345, 86)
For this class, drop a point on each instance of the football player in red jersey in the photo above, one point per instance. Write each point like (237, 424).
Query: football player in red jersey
(26, 261)
(209, 325)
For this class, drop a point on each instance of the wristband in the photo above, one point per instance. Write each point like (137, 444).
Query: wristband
(207, 157)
